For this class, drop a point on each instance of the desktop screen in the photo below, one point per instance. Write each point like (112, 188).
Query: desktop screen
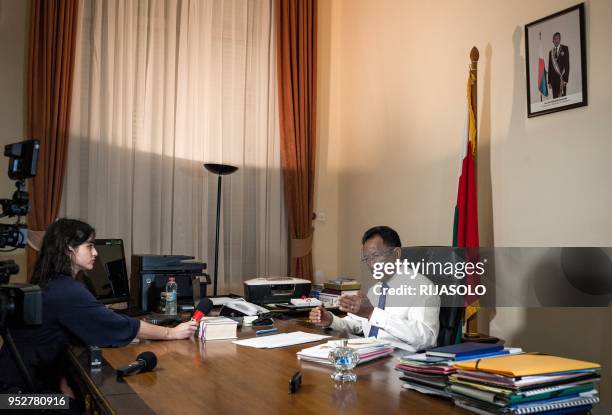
(108, 280)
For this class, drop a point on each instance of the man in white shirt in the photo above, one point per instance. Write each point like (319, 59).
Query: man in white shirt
(410, 325)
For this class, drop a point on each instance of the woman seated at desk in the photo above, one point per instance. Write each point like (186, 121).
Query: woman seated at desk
(70, 310)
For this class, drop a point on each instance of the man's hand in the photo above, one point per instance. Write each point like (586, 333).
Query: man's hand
(320, 316)
(356, 304)
(184, 330)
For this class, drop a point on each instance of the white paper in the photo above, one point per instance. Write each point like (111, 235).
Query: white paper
(221, 300)
(281, 340)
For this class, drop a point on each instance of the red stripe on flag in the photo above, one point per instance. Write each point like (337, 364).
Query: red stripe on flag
(467, 203)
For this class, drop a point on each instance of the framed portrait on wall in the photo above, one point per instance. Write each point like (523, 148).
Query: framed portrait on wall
(555, 55)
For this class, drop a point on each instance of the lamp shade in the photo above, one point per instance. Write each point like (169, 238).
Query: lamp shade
(221, 169)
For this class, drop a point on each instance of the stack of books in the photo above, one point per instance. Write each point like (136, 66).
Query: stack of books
(217, 328)
(368, 349)
(525, 384)
(429, 372)
(332, 290)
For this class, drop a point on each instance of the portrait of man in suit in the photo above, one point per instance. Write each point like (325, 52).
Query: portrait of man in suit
(558, 67)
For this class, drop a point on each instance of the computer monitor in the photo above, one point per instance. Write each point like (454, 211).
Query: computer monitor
(108, 280)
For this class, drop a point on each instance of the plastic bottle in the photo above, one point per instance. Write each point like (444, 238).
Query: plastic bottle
(171, 289)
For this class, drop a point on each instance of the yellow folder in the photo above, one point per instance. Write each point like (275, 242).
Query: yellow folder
(526, 365)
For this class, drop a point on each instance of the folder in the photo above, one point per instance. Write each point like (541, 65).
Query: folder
(520, 365)
(464, 349)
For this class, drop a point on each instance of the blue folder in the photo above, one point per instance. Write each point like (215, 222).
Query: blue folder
(465, 349)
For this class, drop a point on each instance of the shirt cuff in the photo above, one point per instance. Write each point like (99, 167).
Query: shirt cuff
(379, 318)
(335, 323)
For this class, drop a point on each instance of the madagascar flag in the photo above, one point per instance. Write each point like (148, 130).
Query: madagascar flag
(542, 83)
(465, 231)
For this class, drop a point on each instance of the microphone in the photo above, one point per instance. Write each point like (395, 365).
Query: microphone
(145, 361)
(202, 309)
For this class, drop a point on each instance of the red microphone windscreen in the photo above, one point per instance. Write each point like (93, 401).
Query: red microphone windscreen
(202, 309)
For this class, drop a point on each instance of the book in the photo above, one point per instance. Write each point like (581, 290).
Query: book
(217, 328)
(339, 292)
(343, 284)
(464, 349)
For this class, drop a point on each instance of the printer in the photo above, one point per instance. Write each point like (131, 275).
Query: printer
(150, 273)
(269, 290)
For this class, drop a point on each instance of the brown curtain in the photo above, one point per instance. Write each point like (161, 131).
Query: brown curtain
(296, 28)
(52, 44)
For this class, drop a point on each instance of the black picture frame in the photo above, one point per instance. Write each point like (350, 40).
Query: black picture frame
(566, 86)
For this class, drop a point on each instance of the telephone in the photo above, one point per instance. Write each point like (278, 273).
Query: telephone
(240, 307)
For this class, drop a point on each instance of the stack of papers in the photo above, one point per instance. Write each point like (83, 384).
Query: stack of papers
(281, 340)
(429, 372)
(217, 328)
(368, 349)
(525, 384)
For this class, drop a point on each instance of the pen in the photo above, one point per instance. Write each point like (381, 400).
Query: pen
(266, 331)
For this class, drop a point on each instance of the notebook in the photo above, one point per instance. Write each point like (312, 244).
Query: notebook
(464, 349)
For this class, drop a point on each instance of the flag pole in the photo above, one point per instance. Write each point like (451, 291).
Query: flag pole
(540, 91)
(472, 322)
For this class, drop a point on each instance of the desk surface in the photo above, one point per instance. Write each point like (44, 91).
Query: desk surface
(222, 378)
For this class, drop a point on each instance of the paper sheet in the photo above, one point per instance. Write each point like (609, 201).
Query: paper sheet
(281, 340)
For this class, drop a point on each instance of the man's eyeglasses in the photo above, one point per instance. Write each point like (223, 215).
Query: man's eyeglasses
(376, 256)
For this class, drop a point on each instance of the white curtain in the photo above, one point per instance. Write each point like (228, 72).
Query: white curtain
(162, 86)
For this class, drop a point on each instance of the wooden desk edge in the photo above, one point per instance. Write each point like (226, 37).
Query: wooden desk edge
(84, 376)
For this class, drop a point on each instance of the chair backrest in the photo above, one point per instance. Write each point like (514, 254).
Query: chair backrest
(451, 310)
(451, 320)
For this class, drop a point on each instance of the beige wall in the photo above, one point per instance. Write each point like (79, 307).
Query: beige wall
(13, 24)
(392, 108)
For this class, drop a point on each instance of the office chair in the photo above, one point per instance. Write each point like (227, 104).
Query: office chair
(451, 321)
(451, 310)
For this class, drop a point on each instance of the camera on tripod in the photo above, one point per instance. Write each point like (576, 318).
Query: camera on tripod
(20, 304)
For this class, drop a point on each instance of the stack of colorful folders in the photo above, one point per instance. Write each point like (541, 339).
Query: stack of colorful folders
(429, 372)
(525, 384)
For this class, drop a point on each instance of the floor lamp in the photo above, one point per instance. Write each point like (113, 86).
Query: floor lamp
(220, 170)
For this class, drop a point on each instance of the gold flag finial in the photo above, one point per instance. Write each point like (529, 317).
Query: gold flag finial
(474, 55)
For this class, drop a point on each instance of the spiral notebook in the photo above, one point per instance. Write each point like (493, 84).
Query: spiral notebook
(551, 406)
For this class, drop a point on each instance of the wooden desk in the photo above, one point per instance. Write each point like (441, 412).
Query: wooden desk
(219, 377)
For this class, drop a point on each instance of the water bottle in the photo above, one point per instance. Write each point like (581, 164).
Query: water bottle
(171, 289)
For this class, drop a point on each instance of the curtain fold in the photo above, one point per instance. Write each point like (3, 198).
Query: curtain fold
(296, 28)
(162, 87)
(51, 55)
